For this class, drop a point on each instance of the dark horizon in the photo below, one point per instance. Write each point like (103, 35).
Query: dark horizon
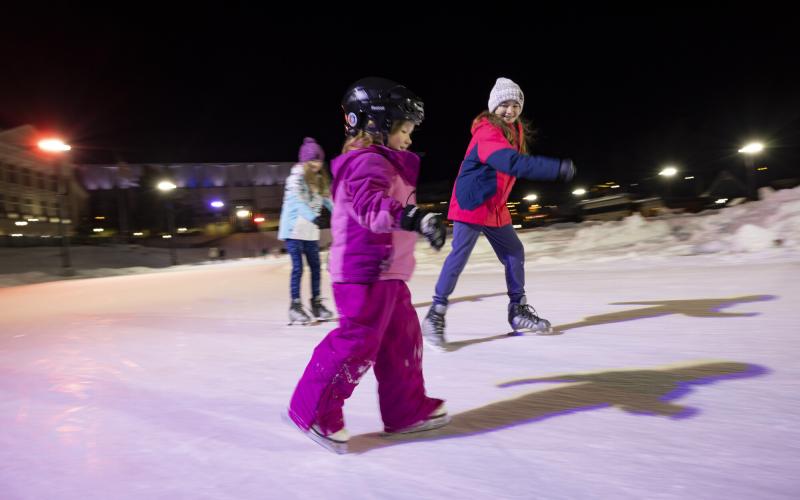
(620, 95)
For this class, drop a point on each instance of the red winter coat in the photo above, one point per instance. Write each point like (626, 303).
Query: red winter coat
(488, 173)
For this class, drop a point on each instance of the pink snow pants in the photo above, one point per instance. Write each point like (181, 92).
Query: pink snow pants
(377, 326)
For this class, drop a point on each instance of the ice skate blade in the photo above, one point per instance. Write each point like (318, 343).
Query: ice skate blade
(338, 447)
(436, 347)
(520, 333)
(427, 425)
(436, 344)
(517, 332)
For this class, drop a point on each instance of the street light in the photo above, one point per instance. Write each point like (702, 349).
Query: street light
(752, 148)
(167, 187)
(57, 147)
(668, 173)
(217, 205)
(750, 151)
(54, 145)
(531, 197)
(579, 192)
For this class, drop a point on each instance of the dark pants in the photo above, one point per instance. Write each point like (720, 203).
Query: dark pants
(296, 249)
(507, 247)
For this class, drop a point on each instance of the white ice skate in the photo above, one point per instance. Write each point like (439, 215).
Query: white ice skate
(437, 418)
(335, 442)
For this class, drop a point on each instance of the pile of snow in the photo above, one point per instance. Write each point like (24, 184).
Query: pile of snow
(764, 229)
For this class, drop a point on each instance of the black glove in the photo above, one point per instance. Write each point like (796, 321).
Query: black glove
(566, 171)
(429, 224)
(317, 221)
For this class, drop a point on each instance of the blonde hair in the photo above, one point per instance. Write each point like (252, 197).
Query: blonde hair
(521, 137)
(318, 182)
(364, 139)
(361, 140)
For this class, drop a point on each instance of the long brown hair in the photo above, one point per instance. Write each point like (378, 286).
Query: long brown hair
(318, 182)
(525, 136)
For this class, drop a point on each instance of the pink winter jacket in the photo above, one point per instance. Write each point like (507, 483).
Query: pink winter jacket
(370, 188)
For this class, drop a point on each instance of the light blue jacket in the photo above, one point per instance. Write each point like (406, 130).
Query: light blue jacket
(300, 207)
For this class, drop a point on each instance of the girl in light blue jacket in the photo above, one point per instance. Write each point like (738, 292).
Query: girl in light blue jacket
(307, 191)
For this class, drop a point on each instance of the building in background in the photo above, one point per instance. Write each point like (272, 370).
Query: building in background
(29, 189)
(122, 199)
(215, 198)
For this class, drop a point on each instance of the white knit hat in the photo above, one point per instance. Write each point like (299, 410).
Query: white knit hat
(505, 90)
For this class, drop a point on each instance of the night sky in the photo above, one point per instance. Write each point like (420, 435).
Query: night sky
(621, 94)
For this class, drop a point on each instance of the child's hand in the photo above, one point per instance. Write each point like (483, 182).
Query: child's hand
(566, 171)
(429, 224)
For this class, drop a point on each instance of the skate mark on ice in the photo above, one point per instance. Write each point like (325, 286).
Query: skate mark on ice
(641, 392)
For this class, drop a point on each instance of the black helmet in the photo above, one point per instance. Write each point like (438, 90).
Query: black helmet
(373, 104)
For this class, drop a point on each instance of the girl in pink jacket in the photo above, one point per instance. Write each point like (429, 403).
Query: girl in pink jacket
(374, 226)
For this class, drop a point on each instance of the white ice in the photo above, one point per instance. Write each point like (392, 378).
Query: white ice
(675, 376)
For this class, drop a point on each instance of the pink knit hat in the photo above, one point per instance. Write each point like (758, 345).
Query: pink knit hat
(310, 151)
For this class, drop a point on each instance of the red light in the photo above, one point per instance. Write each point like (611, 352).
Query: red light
(52, 145)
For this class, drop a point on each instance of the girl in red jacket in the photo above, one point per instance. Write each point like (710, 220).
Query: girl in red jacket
(496, 156)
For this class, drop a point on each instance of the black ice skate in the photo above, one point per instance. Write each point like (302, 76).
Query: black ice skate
(523, 318)
(433, 327)
(318, 311)
(297, 313)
